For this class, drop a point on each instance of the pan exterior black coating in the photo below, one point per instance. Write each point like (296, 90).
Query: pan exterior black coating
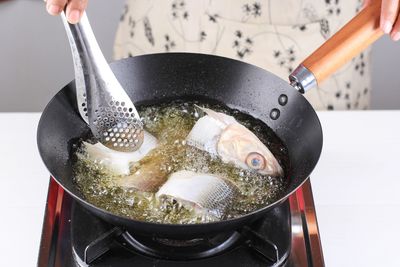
(159, 77)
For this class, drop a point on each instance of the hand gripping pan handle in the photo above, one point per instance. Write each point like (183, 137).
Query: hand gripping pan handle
(349, 41)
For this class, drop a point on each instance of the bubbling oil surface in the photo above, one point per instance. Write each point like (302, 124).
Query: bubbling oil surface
(170, 123)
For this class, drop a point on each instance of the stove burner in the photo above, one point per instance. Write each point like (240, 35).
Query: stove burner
(172, 249)
(268, 239)
(72, 236)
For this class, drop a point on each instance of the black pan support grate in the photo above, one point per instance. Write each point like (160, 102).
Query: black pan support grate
(246, 237)
(100, 245)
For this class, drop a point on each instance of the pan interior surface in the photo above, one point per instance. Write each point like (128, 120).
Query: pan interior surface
(163, 77)
(183, 158)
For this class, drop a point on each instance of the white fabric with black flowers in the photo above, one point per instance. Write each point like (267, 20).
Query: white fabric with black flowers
(272, 34)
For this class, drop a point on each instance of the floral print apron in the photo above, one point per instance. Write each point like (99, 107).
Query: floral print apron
(273, 34)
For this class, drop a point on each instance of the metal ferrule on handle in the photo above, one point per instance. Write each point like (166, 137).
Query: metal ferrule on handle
(302, 79)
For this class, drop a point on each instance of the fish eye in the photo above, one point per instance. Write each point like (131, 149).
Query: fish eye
(255, 161)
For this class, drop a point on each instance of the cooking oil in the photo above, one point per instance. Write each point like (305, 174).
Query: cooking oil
(170, 123)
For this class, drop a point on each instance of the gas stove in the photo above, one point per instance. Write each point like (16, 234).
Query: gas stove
(287, 236)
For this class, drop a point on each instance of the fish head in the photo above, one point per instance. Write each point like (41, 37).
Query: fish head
(241, 147)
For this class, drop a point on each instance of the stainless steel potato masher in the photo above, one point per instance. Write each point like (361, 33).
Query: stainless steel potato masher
(102, 102)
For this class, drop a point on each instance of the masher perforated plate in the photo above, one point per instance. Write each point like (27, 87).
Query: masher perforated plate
(118, 126)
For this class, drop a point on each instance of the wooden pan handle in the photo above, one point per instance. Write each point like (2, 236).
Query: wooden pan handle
(349, 41)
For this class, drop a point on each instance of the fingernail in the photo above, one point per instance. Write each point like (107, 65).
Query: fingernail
(396, 36)
(53, 9)
(387, 27)
(74, 16)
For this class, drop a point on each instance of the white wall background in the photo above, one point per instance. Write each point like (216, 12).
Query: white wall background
(35, 60)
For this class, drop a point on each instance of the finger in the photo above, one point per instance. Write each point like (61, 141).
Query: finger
(54, 7)
(395, 34)
(389, 11)
(75, 10)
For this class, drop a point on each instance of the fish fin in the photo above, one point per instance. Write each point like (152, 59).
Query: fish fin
(221, 117)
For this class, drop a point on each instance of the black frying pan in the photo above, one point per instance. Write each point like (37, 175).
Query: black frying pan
(163, 77)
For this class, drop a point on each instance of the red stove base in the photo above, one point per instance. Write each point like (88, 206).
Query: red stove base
(57, 244)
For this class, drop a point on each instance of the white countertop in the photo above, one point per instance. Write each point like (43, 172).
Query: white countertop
(356, 188)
